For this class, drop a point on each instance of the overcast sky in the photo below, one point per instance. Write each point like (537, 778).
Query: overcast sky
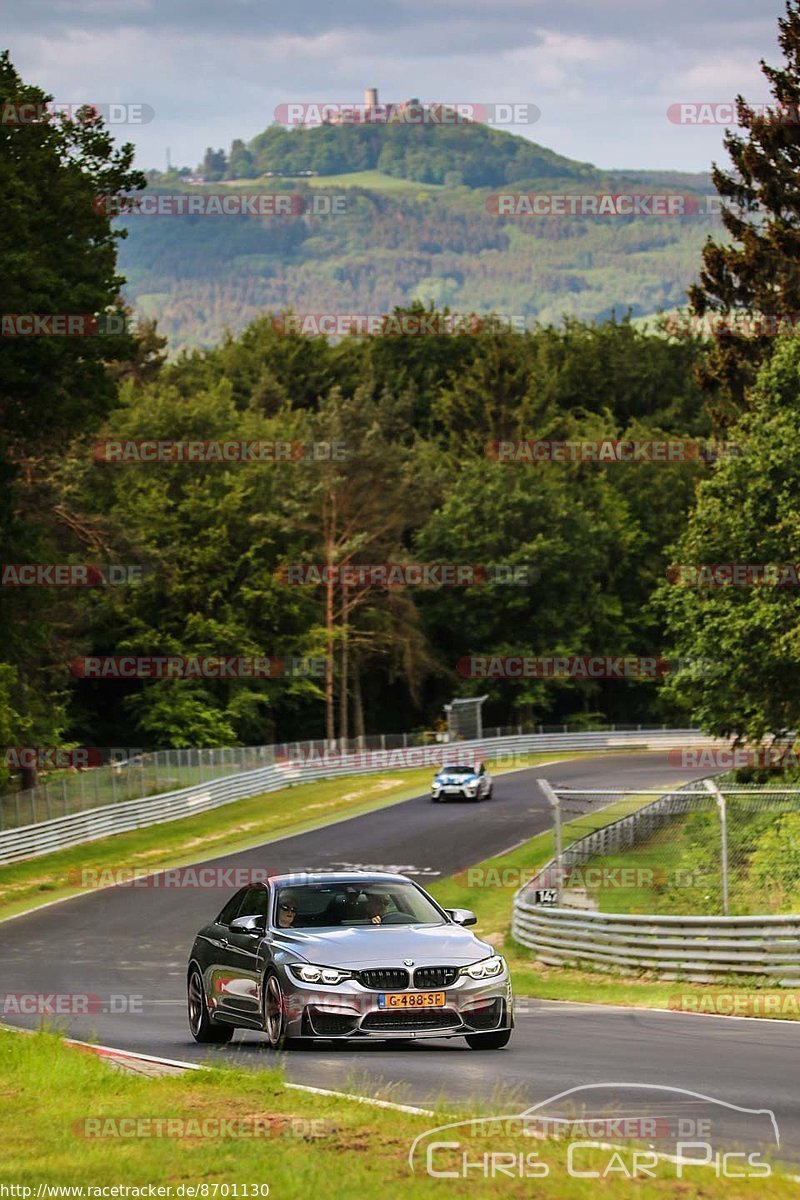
(603, 73)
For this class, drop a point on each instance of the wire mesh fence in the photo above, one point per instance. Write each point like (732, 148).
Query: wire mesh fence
(133, 775)
(699, 850)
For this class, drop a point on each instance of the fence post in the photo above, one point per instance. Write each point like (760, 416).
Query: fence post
(723, 830)
(555, 805)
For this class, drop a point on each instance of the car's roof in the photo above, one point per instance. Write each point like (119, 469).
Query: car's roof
(300, 877)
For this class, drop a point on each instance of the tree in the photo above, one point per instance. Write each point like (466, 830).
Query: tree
(210, 540)
(563, 523)
(214, 164)
(758, 270)
(742, 643)
(358, 509)
(57, 256)
(240, 161)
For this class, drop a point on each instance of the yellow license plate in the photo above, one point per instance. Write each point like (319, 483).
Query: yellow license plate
(411, 1000)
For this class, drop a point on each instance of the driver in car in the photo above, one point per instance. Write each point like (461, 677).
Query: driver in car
(287, 910)
(377, 904)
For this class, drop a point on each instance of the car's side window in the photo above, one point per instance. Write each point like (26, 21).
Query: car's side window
(254, 903)
(231, 909)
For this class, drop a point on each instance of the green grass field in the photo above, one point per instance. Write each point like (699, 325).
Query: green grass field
(71, 1120)
(374, 181)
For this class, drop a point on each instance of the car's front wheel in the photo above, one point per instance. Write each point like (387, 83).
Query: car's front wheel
(275, 1009)
(489, 1041)
(202, 1027)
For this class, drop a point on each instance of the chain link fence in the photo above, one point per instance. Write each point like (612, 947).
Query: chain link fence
(700, 850)
(133, 776)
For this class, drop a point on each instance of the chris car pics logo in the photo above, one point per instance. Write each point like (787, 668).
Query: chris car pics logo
(602, 1132)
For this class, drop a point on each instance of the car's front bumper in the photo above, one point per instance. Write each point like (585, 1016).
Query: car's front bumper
(452, 790)
(352, 1011)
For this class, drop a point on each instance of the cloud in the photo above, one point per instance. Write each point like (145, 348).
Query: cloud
(602, 73)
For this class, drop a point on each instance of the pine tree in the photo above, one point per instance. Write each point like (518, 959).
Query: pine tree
(757, 272)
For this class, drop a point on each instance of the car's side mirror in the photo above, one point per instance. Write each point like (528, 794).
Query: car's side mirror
(462, 916)
(252, 925)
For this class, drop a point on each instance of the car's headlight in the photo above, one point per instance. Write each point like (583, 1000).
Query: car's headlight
(487, 968)
(309, 973)
(436, 784)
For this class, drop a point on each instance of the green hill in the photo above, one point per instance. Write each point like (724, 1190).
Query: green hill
(415, 226)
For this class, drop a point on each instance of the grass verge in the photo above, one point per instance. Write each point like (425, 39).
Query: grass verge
(72, 1121)
(225, 830)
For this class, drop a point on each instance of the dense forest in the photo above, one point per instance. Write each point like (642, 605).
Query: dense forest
(199, 276)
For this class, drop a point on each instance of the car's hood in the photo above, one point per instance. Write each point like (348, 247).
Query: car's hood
(459, 777)
(386, 946)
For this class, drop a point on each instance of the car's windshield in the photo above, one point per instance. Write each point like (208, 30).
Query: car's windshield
(325, 905)
(457, 771)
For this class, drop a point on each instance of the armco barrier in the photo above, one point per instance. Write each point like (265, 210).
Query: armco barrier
(30, 841)
(698, 948)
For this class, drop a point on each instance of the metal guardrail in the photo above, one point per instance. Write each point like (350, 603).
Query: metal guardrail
(30, 841)
(700, 948)
(131, 774)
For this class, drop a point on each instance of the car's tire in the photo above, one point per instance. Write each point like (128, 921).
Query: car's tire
(490, 793)
(202, 1028)
(489, 1041)
(275, 1014)
(435, 799)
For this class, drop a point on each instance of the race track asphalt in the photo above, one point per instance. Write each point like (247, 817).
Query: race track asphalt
(133, 942)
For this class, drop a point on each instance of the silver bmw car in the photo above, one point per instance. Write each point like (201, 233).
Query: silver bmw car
(346, 956)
